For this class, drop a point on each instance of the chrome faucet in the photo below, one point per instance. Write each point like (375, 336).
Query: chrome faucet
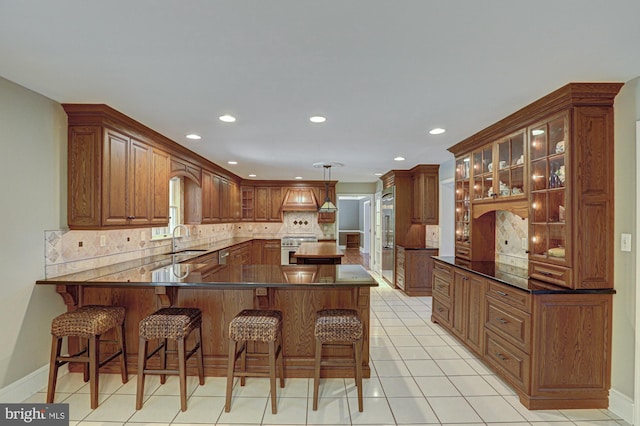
(174, 245)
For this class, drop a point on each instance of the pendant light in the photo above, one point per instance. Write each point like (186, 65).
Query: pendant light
(327, 205)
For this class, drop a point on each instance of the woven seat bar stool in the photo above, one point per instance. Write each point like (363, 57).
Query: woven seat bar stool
(335, 328)
(87, 323)
(259, 326)
(163, 325)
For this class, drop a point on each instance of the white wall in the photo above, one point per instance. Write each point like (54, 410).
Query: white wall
(33, 138)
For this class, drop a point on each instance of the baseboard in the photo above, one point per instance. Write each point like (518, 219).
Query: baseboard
(621, 405)
(29, 385)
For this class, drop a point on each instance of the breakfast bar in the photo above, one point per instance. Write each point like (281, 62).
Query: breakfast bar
(221, 291)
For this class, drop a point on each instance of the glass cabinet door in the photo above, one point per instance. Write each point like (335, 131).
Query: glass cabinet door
(511, 166)
(483, 173)
(463, 194)
(548, 208)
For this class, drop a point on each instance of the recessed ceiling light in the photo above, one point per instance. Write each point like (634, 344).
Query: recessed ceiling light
(378, 174)
(399, 158)
(227, 118)
(317, 119)
(437, 131)
(298, 177)
(193, 136)
(232, 162)
(252, 175)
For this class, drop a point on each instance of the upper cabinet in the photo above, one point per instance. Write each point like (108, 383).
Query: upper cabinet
(119, 171)
(115, 180)
(425, 184)
(550, 162)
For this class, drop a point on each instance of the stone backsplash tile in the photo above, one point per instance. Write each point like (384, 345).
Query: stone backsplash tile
(511, 229)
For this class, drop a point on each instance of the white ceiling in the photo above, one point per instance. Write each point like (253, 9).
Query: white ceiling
(382, 72)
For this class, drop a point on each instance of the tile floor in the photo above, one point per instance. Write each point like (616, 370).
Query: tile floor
(420, 375)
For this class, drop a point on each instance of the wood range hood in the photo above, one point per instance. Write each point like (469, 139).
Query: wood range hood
(300, 200)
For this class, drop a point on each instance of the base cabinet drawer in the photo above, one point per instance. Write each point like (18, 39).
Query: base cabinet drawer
(511, 362)
(553, 274)
(441, 312)
(511, 324)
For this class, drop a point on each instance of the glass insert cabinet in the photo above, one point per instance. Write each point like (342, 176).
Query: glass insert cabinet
(549, 211)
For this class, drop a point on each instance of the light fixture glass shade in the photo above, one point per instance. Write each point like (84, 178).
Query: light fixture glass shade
(328, 207)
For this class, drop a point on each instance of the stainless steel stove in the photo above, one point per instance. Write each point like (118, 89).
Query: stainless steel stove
(290, 243)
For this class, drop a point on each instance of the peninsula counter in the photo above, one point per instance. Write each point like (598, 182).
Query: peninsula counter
(221, 292)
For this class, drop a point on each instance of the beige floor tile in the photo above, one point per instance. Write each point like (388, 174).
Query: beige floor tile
(412, 411)
(376, 411)
(453, 410)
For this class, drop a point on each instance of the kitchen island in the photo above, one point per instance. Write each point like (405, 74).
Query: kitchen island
(221, 292)
(326, 253)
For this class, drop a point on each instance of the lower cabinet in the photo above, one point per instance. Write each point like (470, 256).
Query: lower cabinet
(414, 270)
(552, 347)
(266, 252)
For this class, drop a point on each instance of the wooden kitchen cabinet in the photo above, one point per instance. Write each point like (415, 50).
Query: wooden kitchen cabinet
(112, 180)
(266, 252)
(425, 185)
(248, 203)
(268, 203)
(414, 270)
(240, 254)
(567, 185)
(551, 345)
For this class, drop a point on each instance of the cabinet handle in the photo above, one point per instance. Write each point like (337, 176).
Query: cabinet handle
(501, 293)
(501, 320)
(549, 274)
(502, 357)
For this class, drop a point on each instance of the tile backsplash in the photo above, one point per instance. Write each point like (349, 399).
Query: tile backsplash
(511, 233)
(74, 251)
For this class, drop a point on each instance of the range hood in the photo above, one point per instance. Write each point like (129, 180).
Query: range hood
(300, 200)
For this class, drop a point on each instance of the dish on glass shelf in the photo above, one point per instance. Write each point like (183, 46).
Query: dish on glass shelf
(560, 147)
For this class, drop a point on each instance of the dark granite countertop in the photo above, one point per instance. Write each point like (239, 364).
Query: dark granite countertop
(514, 277)
(185, 270)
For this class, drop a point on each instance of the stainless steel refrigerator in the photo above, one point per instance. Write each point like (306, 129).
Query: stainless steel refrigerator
(387, 205)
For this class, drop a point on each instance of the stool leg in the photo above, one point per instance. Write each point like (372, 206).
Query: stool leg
(163, 360)
(316, 374)
(243, 360)
(357, 352)
(231, 364)
(123, 353)
(200, 357)
(272, 375)
(85, 366)
(142, 365)
(281, 360)
(56, 345)
(94, 357)
(182, 372)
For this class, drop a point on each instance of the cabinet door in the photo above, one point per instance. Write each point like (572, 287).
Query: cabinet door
(475, 313)
(262, 207)
(84, 158)
(463, 207)
(425, 198)
(140, 192)
(459, 305)
(510, 168)
(216, 202)
(115, 169)
(549, 211)
(160, 183)
(207, 194)
(225, 200)
(271, 252)
(275, 204)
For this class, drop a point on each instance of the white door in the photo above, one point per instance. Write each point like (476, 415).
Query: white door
(366, 222)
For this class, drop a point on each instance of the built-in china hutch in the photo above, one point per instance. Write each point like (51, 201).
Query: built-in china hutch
(546, 327)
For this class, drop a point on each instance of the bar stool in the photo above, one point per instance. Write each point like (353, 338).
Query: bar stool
(88, 322)
(260, 326)
(175, 324)
(335, 328)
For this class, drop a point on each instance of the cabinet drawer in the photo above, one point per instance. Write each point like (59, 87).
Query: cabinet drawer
(444, 271)
(463, 252)
(553, 274)
(509, 295)
(510, 323)
(442, 286)
(441, 311)
(513, 364)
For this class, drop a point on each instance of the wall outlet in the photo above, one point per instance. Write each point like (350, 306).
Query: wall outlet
(625, 242)
(103, 240)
